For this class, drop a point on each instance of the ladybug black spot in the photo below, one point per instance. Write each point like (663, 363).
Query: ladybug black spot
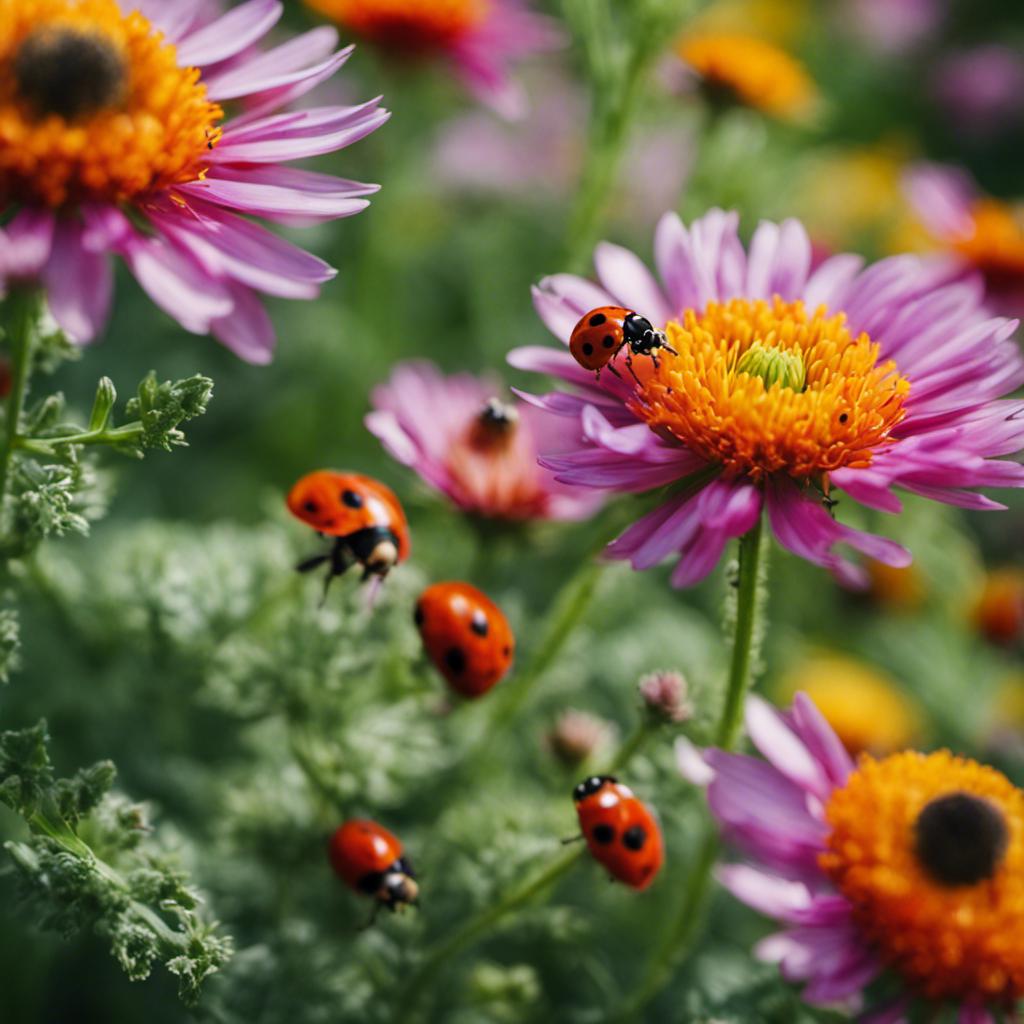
(603, 833)
(418, 615)
(479, 623)
(506, 650)
(353, 499)
(634, 837)
(597, 319)
(609, 341)
(455, 659)
(311, 506)
(588, 349)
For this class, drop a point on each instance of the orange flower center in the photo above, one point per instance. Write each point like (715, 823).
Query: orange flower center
(929, 850)
(93, 106)
(493, 467)
(409, 26)
(747, 70)
(756, 423)
(996, 247)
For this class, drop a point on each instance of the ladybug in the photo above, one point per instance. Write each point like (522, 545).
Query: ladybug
(601, 334)
(620, 831)
(361, 513)
(368, 859)
(466, 636)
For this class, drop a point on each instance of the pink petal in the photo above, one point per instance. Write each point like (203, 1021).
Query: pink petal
(230, 34)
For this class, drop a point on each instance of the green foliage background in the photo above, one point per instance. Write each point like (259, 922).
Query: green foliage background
(176, 641)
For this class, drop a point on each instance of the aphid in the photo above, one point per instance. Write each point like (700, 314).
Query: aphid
(466, 636)
(368, 859)
(602, 333)
(361, 513)
(620, 831)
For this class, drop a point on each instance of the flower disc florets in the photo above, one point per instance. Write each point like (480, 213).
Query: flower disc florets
(93, 105)
(757, 423)
(929, 850)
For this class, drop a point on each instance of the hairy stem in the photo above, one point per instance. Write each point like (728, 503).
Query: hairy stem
(23, 312)
(685, 923)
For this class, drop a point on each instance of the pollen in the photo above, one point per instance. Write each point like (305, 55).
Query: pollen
(929, 850)
(746, 70)
(414, 27)
(93, 106)
(701, 395)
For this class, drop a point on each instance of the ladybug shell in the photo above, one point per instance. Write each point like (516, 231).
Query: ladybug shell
(620, 831)
(362, 848)
(598, 336)
(340, 504)
(466, 636)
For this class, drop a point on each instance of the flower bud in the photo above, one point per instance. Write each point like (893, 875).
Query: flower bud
(784, 367)
(666, 696)
(577, 736)
(106, 395)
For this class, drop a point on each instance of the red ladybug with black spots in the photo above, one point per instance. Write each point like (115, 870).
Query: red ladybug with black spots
(619, 830)
(466, 636)
(362, 514)
(369, 860)
(601, 334)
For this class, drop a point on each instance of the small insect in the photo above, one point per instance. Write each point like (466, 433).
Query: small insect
(620, 831)
(368, 859)
(466, 636)
(361, 513)
(601, 334)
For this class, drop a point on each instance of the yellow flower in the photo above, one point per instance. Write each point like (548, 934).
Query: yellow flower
(865, 708)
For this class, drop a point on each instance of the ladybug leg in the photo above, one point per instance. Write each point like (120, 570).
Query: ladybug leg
(572, 839)
(613, 370)
(308, 564)
(340, 558)
(629, 366)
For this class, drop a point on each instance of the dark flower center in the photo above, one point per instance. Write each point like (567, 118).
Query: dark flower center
(960, 839)
(68, 72)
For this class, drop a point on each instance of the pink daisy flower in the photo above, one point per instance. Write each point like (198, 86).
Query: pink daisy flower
(477, 449)
(910, 866)
(975, 233)
(780, 385)
(479, 38)
(111, 143)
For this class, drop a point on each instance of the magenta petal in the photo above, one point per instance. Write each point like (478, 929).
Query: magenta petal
(775, 897)
(624, 275)
(247, 329)
(784, 748)
(268, 200)
(230, 34)
(25, 244)
(79, 283)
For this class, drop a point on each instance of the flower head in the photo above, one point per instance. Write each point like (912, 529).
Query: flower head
(479, 37)
(913, 863)
(898, 387)
(666, 696)
(748, 71)
(479, 450)
(975, 233)
(113, 142)
(865, 709)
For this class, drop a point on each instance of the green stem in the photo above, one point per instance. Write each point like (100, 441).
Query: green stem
(745, 638)
(678, 937)
(455, 943)
(23, 308)
(570, 606)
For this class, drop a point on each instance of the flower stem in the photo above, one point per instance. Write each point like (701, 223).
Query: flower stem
(746, 637)
(678, 937)
(23, 312)
(568, 608)
(617, 74)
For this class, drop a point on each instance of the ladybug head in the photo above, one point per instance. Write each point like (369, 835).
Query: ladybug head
(375, 548)
(398, 888)
(590, 786)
